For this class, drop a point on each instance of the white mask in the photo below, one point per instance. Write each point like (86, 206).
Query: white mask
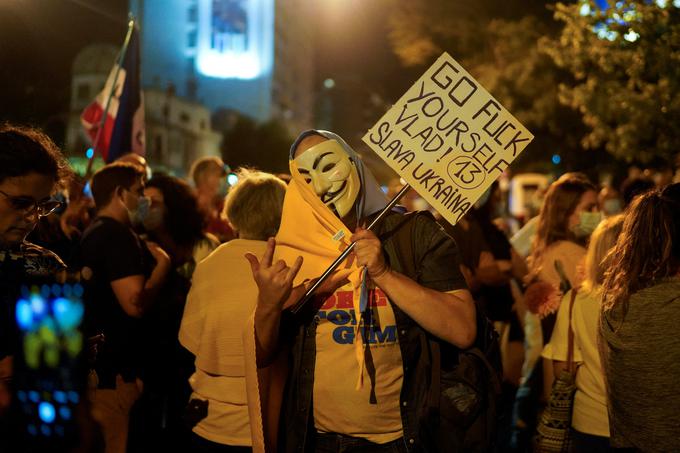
(332, 175)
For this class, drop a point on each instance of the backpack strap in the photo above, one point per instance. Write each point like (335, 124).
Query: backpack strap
(403, 240)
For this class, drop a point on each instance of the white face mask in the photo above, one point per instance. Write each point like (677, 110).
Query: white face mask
(333, 177)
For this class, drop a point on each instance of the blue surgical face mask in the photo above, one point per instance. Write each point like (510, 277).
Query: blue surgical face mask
(587, 223)
(139, 214)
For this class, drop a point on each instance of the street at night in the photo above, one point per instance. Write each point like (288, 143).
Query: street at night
(339, 226)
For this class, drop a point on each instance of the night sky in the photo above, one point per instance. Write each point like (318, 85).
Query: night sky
(38, 41)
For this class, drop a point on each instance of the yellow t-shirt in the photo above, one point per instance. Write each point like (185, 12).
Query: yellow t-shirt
(338, 406)
(590, 401)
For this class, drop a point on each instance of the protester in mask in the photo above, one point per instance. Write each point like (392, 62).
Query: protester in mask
(31, 169)
(122, 278)
(590, 421)
(209, 175)
(609, 201)
(218, 306)
(523, 239)
(567, 218)
(176, 224)
(639, 325)
(354, 384)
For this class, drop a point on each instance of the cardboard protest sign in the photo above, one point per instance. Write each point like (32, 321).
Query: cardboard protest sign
(448, 138)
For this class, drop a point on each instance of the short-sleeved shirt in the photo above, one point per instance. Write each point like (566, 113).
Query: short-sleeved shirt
(110, 251)
(590, 401)
(371, 412)
(435, 259)
(26, 265)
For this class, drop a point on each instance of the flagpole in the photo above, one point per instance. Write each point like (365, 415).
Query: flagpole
(310, 292)
(102, 122)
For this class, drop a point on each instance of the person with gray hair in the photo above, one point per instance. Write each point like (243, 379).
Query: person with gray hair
(218, 305)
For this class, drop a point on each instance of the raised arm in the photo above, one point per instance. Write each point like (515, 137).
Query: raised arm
(275, 284)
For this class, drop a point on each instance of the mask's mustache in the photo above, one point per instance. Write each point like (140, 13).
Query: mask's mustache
(328, 196)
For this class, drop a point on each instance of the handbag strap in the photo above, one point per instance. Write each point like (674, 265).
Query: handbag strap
(570, 335)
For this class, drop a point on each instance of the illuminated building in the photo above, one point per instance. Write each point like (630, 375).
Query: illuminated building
(252, 56)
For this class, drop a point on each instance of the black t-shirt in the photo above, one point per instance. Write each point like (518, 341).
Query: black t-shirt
(29, 264)
(470, 240)
(434, 254)
(496, 300)
(109, 251)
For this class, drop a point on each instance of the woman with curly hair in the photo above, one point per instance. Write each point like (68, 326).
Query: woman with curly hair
(175, 222)
(638, 325)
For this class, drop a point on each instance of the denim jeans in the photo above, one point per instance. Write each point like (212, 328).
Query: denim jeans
(338, 443)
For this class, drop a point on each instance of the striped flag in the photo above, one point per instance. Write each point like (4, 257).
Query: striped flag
(122, 131)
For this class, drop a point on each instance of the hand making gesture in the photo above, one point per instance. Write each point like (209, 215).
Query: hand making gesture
(274, 281)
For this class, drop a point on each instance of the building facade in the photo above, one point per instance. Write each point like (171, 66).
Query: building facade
(178, 130)
(251, 56)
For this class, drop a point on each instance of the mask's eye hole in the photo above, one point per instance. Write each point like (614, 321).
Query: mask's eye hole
(328, 167)
(305, 174)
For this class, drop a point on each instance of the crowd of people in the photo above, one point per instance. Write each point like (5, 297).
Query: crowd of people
(202, 333)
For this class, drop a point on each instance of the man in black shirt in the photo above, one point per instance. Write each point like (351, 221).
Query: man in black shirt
(123, 275)
(31, 168)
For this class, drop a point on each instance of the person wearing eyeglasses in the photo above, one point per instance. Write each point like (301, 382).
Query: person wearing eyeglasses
(31, 169)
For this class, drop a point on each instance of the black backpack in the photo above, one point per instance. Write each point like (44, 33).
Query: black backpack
(460, 413)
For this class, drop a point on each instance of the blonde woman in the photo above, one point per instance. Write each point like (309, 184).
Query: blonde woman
(221, 299)
(590, 422)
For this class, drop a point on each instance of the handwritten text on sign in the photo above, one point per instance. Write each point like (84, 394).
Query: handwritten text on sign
(448, 138)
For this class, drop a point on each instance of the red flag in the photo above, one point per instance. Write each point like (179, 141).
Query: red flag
(123, 129)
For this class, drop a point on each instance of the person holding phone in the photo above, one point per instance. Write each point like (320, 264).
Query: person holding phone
(31, 169)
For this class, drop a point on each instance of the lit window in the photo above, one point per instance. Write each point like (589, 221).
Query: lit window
(192, 38)
(192, 14)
